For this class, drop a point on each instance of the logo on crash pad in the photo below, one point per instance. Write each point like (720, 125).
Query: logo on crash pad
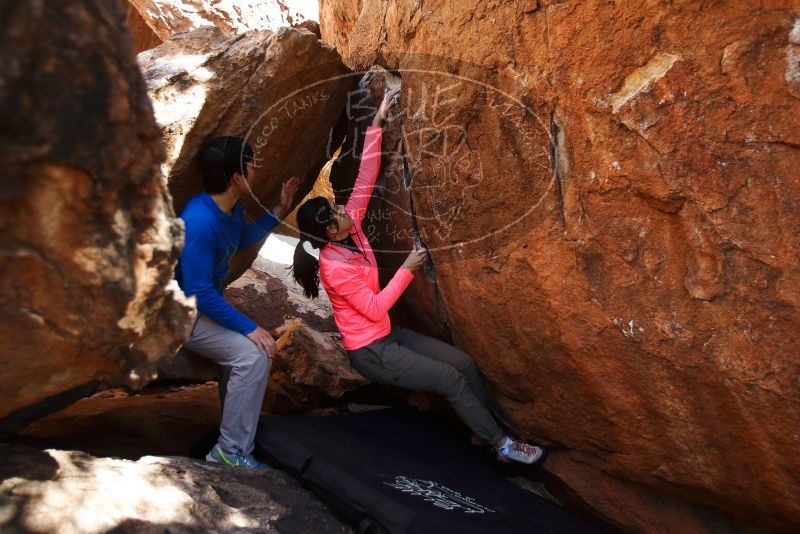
(438, 495)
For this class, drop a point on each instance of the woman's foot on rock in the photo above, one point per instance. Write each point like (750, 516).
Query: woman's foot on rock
(517, 451)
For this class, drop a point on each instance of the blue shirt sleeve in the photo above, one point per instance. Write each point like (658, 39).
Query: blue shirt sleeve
(256, 231)
(197, 267)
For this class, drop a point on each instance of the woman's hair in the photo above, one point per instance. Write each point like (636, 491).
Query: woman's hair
(220, 159)
(313, 219)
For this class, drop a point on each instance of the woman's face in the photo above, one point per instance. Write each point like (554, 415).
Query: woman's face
(343, 220)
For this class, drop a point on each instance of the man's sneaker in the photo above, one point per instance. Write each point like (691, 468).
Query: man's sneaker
(217, 455)
(519, 452)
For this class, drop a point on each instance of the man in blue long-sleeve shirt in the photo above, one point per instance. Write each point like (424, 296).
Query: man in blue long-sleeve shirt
(215, 230)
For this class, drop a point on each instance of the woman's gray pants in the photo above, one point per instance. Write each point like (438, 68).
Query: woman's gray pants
(242, 385)
(418, 362)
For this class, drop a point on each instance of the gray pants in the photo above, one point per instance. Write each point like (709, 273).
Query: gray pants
(418, 362)
(242, 385)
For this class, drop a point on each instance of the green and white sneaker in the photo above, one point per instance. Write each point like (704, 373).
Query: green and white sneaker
(217, 455)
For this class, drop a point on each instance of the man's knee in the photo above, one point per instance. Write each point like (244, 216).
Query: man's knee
(254, 361)
(262, 364)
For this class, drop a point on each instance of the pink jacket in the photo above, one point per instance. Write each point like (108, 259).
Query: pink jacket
(360, 308)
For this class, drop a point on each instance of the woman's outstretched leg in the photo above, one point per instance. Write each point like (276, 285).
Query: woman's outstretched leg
(444, 352)
(386, 361)
(418, 362)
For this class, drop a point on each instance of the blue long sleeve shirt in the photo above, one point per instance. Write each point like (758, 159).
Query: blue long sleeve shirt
(212, 237)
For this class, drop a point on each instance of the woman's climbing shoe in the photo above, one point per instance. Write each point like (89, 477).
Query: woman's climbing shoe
(519, 452)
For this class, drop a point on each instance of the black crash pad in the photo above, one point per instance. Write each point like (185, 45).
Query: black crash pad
(404, 472)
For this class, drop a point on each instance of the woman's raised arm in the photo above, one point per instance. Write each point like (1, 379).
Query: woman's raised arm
(356, 205)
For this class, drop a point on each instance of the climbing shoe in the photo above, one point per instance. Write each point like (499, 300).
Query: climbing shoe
(519, 452)
(217, 455)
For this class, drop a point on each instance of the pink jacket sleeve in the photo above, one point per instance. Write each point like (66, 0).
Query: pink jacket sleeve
(356, 205)
(349, 283)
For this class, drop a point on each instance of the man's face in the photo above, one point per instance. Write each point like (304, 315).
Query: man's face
(242, 183)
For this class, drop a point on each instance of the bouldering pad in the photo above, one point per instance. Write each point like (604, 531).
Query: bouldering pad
(405, 472)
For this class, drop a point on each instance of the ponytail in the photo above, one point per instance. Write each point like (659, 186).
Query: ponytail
(312, 219)
(305, 270)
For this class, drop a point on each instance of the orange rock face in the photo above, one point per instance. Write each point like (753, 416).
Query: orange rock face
(609, 192)
(88, 234)
(144, 38)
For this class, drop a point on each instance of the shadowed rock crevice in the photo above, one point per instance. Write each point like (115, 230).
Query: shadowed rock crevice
(556, 162)
(429, 269)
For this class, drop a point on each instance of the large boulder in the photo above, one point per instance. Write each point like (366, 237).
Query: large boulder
(88, 237)
(282, 91)
(168, 17)
(269, 295)
(161, 419)
(609, 192)
(311, 370)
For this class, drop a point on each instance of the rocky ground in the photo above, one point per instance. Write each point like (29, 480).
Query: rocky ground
(119, 461)
(132, 462)
(75, 492)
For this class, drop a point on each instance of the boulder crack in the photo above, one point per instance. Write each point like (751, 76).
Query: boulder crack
(555, 161)
(429, 269)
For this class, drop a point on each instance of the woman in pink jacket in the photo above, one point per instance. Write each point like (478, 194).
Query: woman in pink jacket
(349, 273)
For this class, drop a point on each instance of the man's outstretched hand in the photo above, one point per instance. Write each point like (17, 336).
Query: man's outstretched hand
(288, 190)
(263, 341)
